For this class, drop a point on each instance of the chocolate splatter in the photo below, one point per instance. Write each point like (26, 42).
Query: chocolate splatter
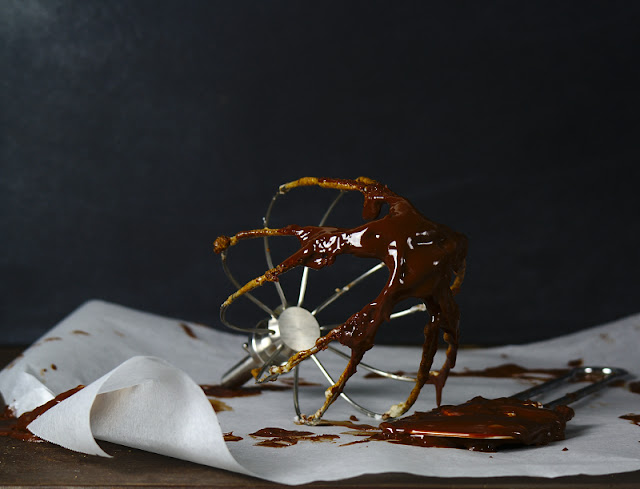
(505, 370)
(7, 413)
(18, 428)
(187, 329)
(512, 370)
(634, 418)
(231, 437)
(279, 437)
(219, 406)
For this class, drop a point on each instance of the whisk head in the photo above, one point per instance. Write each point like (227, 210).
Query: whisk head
(290, 332)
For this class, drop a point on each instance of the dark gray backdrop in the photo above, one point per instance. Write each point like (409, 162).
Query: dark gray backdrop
(133, 133)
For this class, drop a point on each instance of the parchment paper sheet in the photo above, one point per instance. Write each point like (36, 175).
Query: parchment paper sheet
(142, 373)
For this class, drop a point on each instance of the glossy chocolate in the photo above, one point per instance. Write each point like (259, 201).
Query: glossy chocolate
(482, 425)
(279, 437)
(425, 260)
(18, 426)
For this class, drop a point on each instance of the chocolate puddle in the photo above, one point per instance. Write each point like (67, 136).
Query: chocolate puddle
(17, 427)
(480, 425)
(219, 406)
(229, 436)
(483, 425)
(512, 370)
(188, 330)
(279, 437)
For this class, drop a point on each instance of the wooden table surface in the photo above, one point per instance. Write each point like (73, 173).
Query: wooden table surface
(24, 464)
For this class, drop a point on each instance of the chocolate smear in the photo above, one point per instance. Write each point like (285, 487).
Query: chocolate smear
(279, 437)
(231, 437)
(17, 428)
(634, 418)
(512, 370)
(481, 425)
(187, 329)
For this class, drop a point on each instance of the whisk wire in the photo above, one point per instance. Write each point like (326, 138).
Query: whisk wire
(305, 271)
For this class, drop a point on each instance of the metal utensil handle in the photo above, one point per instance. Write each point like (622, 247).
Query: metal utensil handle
(609, 374)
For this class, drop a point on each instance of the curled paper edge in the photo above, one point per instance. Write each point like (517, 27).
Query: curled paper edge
(144, 403)
(28, 393)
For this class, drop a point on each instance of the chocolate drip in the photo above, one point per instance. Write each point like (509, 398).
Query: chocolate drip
(216, 390)
(425, 260)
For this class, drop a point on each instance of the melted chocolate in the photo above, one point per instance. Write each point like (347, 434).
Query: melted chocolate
(189, 330)
(512, 370)
(231, 437)
(7, 413)
(634, 418)
(279, 437)
(254, 390)
(481, 424)
(351, 424)
(635, 386)
(425, 260)
(219, 406)
(18, 428)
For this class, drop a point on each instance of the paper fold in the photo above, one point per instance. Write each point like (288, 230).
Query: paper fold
(144, 403)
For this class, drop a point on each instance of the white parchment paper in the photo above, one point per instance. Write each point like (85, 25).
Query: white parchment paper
(143, 372)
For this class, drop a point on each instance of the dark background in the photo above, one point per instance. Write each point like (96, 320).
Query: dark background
(134, 133)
